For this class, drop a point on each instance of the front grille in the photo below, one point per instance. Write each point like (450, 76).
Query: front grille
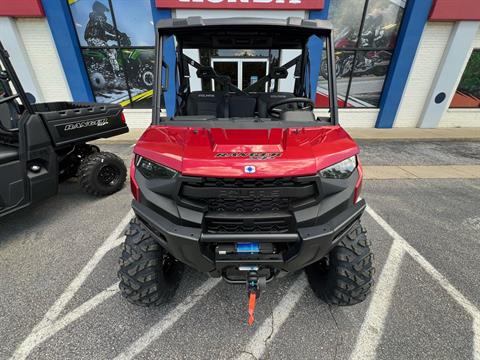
(247, 183)
(230, 226)
(248, 205)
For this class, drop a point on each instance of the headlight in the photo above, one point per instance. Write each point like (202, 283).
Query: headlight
(341, 170)
(152, 170)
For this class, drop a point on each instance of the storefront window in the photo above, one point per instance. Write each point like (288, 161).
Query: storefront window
(117, 41)
(468, 91)
(365, 36)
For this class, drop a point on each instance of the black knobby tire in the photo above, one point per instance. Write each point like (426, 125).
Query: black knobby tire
(102, 174)
(69, 166)
(148, 275)
(346, 277)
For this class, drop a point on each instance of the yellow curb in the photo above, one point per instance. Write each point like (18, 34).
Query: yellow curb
(473, 170)
(415, 134)
(444, 134)
(129, 138)
(438, 172)
(422, 172)
(386, 173)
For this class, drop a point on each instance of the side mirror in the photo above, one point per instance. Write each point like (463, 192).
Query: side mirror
(31, 98)
(166, 71)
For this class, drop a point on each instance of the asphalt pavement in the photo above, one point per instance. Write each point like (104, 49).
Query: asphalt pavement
(59, 298)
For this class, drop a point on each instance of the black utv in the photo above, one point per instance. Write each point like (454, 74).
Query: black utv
(46, 143)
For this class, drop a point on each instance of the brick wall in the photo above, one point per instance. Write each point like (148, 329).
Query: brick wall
(429, 56)
(41, 51)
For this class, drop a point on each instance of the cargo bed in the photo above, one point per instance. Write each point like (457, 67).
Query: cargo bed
(72, 122)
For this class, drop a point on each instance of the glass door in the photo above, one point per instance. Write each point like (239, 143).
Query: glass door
(253, 70)
(242, 72)
(227, 67)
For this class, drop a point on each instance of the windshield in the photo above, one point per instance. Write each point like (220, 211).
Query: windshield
(243, 68)
(251, 76)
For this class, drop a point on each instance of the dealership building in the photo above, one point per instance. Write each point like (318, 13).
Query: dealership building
(400, 63)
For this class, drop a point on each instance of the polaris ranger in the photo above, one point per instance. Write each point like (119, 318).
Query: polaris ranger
(46, 143)
(243, 181)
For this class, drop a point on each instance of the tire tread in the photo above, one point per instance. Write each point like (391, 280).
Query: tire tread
(349, 277)
(140, 273)
(87, 168)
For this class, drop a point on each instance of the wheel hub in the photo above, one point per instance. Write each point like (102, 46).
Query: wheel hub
(108, 174)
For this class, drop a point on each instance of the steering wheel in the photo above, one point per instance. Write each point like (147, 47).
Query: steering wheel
(305, 104)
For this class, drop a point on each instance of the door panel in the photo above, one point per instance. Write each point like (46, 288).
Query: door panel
(12, 186)
(252, 71)
(229, 68)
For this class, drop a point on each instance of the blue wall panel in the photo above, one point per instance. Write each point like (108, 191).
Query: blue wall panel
(316, 49)
(65, 37)
(413, 24)
(170, 96)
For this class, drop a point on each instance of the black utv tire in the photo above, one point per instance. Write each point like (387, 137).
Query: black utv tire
(149, 276)
(346, 276)
(102, 174)
(69, 166)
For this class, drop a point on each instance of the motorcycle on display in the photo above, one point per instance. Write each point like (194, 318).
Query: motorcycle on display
(373, 62)
(137, 63)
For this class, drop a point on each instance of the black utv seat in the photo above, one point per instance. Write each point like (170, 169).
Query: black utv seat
(265, 100)
(8, 153)
(8, 121)
(206, 103)
(241, 105)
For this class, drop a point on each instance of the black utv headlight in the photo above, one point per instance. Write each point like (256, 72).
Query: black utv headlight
(341, 170)
(152, 170)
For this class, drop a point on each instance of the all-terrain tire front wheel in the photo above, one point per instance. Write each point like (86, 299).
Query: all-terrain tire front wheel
(149, 276)
(346, 276)
(102, 174)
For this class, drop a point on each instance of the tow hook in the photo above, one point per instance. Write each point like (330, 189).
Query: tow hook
(255, 285)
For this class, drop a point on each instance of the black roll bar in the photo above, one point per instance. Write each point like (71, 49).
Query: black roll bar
(12, 77)
(332, 84)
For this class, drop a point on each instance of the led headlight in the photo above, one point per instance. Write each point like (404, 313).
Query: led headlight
(341, 170)
(152, 170)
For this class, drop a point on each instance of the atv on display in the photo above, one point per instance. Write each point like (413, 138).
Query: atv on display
(243, 181)
(46, 143)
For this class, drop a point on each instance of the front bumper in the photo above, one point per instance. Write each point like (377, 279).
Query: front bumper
(192, 247)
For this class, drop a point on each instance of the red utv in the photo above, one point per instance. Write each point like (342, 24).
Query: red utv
(243, 181)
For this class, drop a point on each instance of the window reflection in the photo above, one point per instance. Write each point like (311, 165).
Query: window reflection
(365, 36)
(117, 39)
(468, 91)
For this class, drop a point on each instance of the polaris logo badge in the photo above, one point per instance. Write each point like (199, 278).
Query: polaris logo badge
(251, 156)
(250, 169)
(84, 124)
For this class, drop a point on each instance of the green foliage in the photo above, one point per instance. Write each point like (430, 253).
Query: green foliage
(470, 83)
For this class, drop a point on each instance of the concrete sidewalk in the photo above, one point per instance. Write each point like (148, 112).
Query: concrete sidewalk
(411, 134)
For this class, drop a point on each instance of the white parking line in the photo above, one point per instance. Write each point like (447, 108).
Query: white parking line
(476, 338)
(270, 327)
(168, 320)
(374, 322)
(369, 336)
(40, 335)
(49, 319)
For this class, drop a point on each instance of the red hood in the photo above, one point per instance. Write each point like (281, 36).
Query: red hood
(226, 152)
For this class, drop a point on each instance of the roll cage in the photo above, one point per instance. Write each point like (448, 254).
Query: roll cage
(241, 33)
(11, 89)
